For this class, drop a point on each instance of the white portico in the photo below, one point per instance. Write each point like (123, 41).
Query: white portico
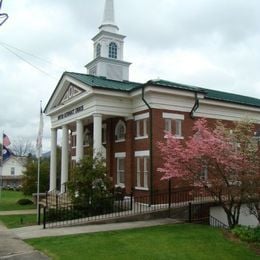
(78, 108)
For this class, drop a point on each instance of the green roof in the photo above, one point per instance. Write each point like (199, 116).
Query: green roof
(211, 94)
(128, 86)
(233, 98)
(102, 82)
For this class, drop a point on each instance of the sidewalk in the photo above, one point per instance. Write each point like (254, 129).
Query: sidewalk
(38, 231)
(13, 248)
(18, 212)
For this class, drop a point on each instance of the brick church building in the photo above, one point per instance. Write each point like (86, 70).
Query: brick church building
(124, 120)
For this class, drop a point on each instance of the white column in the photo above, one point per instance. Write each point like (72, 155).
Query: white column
(97, 134)
(53, 166)
(79, 142)
(64, 157)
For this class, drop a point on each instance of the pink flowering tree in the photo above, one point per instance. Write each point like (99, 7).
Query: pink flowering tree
(218, 160)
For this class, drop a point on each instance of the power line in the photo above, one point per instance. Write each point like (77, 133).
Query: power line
(30, 54)
(28, 62)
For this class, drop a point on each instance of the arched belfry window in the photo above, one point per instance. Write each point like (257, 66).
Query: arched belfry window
(120, 131)
(112, 50)
(98, 50)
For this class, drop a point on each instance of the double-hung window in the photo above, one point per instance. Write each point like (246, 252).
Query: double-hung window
(12, 171)
(141, 122)
(142, 166)
(120, 169)
(173, 124)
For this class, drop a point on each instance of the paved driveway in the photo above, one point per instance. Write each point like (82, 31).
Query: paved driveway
(13, 248)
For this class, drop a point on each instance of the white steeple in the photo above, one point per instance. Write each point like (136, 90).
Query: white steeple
(108, 23)
(109, 49)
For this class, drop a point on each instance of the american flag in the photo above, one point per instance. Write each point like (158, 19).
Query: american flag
(6, 140)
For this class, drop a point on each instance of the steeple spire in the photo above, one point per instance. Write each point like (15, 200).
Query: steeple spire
(109, 49)
(108, 23)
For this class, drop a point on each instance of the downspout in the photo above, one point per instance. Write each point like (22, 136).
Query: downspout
(195, 107)
(150, 143)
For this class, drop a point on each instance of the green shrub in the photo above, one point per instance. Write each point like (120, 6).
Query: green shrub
(24, 202)
(247, 233)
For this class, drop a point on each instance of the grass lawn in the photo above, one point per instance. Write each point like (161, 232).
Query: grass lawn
(16, 221)
(8, 201)
(184, 241)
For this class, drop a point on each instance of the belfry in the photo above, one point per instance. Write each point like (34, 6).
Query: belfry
(108, 49)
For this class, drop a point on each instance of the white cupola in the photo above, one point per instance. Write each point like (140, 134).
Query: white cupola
(108, 49)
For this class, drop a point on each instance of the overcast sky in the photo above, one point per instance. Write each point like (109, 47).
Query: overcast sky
(207, 43)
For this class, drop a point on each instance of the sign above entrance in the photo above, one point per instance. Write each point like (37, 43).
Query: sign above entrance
(71, 112)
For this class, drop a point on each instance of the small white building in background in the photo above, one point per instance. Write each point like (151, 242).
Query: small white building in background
(245, 218)
(12, 172)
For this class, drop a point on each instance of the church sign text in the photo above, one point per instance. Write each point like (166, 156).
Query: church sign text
(71, 112)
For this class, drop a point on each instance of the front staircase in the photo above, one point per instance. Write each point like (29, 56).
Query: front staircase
(55, 199)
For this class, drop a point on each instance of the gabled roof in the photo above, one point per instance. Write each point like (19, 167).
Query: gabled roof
(98, 82)
(102, 82)
(210, 93)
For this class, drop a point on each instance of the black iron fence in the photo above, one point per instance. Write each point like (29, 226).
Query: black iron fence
(217, 223)
(61, 211)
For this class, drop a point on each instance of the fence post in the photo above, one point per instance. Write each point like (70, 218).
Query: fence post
(190, 209)
(39, 215)
(57, 200)
(46, 198)
(44, 217)
(169, 198)
(131, 207)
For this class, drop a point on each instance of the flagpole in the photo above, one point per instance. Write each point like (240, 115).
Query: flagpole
(39, 148)
(38, 190)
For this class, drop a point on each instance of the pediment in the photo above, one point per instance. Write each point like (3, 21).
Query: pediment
(67, 90)
(71, 92)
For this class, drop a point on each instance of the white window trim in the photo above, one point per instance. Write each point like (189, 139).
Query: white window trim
(144, 153)
(120, 141)
(120, 155)
(121, 185)
(138, 172)
(145, 172)
(173, 116)
(175, 137)
(141, 188)
(141, 116)
(145, 127)
(120, 123)
(141, 137)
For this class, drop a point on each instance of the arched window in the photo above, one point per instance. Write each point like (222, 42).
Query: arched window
(120, 131)
(112, 50)
(98, 50)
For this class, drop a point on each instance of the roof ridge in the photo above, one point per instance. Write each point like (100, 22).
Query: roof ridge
(104, 78)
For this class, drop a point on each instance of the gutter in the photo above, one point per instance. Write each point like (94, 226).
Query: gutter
(150, 142)
(195, 107)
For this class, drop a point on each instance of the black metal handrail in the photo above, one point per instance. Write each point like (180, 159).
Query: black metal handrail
(217, 223)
